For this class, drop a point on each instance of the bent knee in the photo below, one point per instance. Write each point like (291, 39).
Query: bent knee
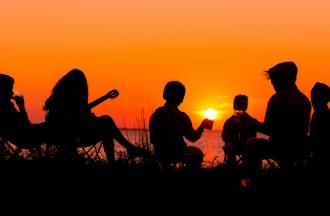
(105, 119)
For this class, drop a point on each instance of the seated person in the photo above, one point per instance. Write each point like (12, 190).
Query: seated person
(168, 126)
(286, 122)
(15, 125)
(320, 126)
(237, 130)
(71, 124)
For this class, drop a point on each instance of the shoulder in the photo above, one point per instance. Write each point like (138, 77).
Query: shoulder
(229, 123)
(248, 116)
(160, 115)
(275, 97)
(305, 99)
(302, 99)
(159, 112)
(249, 119)
(276, 100)
(183, 117)
(183, 114)
(229, 120)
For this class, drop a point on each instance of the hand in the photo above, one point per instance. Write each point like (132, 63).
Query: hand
(207, 124)
(112, 94)
(19, 99)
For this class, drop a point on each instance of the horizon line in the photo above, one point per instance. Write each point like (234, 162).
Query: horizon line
(148, 129)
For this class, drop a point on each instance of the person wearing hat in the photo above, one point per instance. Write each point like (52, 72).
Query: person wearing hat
(15, 125)
(168, 127)
(286, 121)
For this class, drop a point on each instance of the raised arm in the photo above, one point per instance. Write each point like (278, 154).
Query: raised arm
(19, 100)
(193, 135)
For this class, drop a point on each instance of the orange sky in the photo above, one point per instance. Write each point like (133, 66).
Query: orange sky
(217, 48)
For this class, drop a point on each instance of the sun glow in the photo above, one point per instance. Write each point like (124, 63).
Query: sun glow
(210, 114)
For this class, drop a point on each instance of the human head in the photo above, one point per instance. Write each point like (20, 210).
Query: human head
(6, 87)
(241, 102)
(320, 95)
(174, 92)
(283, 75)
(193, 157)
(69, 89)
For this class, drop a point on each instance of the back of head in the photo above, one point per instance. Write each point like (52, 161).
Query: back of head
(72, 80)
(72, 86)
(241, 102)
(6, 85)
(174, 92)
(320, 94)
(283, 75)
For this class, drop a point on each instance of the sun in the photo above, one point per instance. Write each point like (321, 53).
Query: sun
(210, 114)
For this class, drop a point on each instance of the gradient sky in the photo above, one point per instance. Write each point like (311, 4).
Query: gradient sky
(217, 48)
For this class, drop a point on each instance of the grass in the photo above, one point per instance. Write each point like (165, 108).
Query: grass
(142, 176)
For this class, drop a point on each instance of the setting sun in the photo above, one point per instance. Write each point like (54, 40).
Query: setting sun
(210, 114)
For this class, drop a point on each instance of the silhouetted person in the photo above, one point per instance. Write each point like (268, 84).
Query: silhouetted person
(71, 124)
(168, 127)
(286, 121)
(238, 129)
(15, 125)
(320, 126)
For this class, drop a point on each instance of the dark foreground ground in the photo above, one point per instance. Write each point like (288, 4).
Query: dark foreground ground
(220, 187)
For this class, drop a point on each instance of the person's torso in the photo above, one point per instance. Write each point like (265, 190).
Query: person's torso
(69, 121)
(320, 129)
(240, 131)
(290, 120)
(167, 127)
(12, 123)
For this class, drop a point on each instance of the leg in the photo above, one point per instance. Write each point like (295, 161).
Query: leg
(108, 131)
(105, 126)
(99, 130)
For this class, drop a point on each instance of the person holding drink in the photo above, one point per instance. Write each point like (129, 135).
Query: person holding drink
(169, 125)
(15, 125)
(237, 130)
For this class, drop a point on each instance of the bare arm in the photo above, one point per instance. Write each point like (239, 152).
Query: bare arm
(194, 135)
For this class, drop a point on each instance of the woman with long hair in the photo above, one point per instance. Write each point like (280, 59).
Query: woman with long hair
(71, 124)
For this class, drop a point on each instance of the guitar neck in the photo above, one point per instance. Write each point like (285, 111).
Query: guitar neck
(97, 101)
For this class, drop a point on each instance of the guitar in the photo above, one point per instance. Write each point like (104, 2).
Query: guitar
(110, 95)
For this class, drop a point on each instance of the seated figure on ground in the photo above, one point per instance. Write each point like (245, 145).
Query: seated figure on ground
(15, 125)
(286, 122)
(168, 126)
(70, 122)
(237, 130)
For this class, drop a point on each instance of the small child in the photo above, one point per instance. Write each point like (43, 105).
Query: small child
(238, 129)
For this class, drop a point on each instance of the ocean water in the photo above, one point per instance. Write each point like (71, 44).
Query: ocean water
(210, 143)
